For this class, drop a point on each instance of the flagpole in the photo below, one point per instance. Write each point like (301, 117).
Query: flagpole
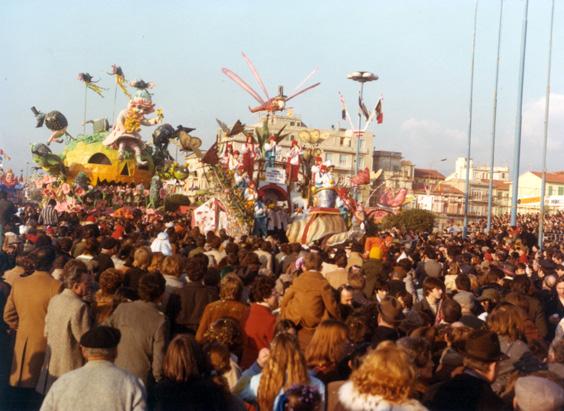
(517, 141)
(494, 121)
(545, 142)
(85, 100)
(468, 149)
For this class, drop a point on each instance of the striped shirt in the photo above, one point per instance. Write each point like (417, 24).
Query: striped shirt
(48, 216)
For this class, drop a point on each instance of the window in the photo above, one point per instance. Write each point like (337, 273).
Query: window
(292, 123)
(549, 190)
(561, 191)
(328, 156)
(342, 160)
(99, 158)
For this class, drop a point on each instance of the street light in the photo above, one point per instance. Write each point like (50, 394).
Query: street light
(360, 77)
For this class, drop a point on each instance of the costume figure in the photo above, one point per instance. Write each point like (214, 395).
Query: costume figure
(227, 153)
(270, 151)
(249, 155)
(293, 162)
(260, 219)
(239, 177)
(125, 133)
(234, 161)
(316, 171)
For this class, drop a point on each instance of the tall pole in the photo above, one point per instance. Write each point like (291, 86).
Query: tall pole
(468, 149)
(517, 142)
(357, 156)
(545, 142)
(494, 121)
(85, 102)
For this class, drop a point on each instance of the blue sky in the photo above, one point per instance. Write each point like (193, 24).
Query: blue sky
(421, 50)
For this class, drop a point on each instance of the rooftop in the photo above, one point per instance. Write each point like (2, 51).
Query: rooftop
(428, 173)
(555, 177)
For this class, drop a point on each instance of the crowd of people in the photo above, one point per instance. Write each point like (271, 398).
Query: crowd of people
(108, 312)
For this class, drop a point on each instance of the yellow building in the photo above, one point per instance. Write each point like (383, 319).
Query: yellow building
(530, 190)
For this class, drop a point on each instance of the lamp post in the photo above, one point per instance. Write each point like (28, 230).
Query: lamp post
(360, 77)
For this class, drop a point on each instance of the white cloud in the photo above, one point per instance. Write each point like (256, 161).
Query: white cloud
(533, 124)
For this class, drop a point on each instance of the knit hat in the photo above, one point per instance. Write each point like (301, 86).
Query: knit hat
(101, 337)
(538, 394)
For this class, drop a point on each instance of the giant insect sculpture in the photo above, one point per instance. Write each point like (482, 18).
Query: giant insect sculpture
(55, 121)
(268, 104)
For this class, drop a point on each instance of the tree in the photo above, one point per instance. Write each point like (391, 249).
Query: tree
(410, 220)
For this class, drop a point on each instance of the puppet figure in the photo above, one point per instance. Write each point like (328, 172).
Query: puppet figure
(234, 161)
(125, 134)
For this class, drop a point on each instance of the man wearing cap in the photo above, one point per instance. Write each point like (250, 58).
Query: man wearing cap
(537, 394)
(390, 315)
(99, 384)
(471, 390)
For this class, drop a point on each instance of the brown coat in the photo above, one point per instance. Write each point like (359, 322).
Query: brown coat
(309, 300)
(222, 309)
(25, 312)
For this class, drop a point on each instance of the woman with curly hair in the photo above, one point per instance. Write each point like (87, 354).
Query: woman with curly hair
(329, 345)
(383, 381)
(284, 368)
(105, 300)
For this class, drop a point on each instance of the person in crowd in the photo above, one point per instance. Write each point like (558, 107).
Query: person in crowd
(471, 390)
(24, 313)
(384, 380)
(141, 261)
(259, 325)
(309, 300)
(49, 215)
(99, 384)
(68, 318)
(103, 261)
(187, 382)
(285, 367)
(229, 305)
(143, 330)
(328, 347)
(390, 316)
(428, 309)
(106, 298)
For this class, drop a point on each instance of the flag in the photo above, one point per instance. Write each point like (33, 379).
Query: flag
(379, 112)
(343, 107)
(363, 108)
(211, 156)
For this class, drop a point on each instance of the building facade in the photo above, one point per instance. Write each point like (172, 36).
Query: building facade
(530, 191)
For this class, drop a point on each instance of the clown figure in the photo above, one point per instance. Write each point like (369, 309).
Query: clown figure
(125, 133)
(249, 153)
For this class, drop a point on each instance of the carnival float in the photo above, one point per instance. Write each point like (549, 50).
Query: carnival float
(117, 156)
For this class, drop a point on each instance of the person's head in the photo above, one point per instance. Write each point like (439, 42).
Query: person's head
(328, 345)
(263, 291)
(302, 398)
(172, 265)
(52, 202)
(462, 282)
(482, 353)
(225, 331)
(385, 372)
(451, 310)
(358, 329)
(382, 291)
(142, 258)
(285, 326)
(110, 280)
(100, 343)
(356, 279)
(230, 288)
(285, 367)
(390, 312)
(419, 352)
(42, 258)
(151, 287)
(312, 261)
(346, 293)
(533, 393)
(183, 360)
(433, 288)
(506, 320)
(77, 278)
(559, 287)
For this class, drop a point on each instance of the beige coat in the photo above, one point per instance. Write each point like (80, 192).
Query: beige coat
(25, 312)
(68, 317)
(142, 346)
